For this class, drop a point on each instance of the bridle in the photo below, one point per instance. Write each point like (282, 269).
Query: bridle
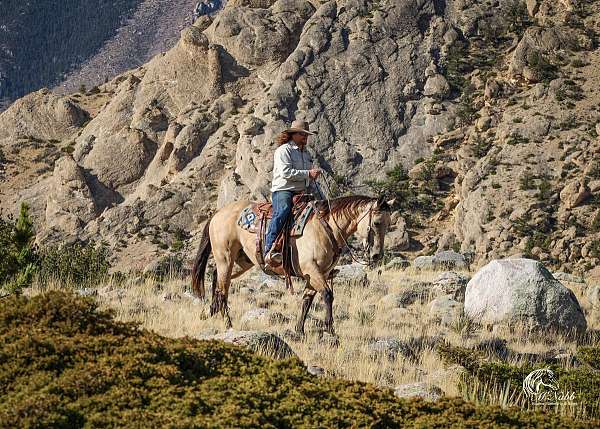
(370, 238)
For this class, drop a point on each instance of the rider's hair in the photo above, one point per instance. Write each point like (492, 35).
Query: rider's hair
(283, 138)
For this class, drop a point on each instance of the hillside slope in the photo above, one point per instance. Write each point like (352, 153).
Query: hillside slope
(80, 368)
(480, 116)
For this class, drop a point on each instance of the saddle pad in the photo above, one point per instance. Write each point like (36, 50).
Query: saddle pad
(249, 220)
(300, 222)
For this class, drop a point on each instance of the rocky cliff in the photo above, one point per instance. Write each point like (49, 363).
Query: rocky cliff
(74, 42)
(489, 106)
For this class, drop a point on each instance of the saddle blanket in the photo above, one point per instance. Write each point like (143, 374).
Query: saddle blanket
(249, 220)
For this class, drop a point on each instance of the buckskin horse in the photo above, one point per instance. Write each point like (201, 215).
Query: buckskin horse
(316, 251)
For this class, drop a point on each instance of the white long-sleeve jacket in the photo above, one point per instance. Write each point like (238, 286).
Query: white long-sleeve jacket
(290, 168)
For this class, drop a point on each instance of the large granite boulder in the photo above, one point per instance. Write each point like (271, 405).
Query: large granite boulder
(513, 291)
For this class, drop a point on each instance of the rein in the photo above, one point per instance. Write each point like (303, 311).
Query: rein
(369, 230)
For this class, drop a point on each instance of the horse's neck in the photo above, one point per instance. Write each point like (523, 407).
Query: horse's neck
(345, 223)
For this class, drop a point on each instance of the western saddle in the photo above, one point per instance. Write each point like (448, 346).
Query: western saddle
(303, 208)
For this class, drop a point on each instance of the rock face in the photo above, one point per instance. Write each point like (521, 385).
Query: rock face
(513, 291)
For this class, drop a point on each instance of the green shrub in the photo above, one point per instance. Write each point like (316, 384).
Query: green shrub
(80, 264)
(544, 189)
(80, 368)
(467, 112)
(542, 67)
(527, 181)
(516, 16)
(481, 146)
(21, 261)
(18, 256)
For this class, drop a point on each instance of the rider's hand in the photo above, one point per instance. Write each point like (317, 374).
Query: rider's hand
(313, 173)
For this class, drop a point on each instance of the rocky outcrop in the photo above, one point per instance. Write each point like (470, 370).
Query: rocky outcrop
(70, 204)
(41, 115)
(522, 291)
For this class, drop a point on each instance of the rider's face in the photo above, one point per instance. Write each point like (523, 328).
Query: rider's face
(300, 138)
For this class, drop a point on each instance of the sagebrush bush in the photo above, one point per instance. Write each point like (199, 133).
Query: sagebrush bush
(81, 264)
(584, 380)
(64, 363)
(20, 260)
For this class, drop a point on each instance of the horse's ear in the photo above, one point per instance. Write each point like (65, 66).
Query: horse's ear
(382, 204)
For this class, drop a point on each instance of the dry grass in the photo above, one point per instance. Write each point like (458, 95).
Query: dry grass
(168, 308)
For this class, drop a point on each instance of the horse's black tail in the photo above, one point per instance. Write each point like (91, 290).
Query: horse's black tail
(199, 268)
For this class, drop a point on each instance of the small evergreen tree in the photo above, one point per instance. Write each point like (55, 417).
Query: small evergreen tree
(18, 255)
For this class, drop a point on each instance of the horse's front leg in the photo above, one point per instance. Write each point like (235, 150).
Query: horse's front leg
(307, 299)
(316, 280)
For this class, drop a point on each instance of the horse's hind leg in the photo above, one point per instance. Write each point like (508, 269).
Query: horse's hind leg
(307, 299)
(224, 262)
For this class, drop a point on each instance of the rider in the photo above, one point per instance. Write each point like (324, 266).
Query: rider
(292, 174)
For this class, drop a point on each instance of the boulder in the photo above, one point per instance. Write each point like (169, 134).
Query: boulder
(263, 343)
(398, 263)
(449, 282)
(450, 259)
(389, 347)
(442, 260)
(566, 277)
(509, 291)
(398, 238)
(593, 296)
(574, 193)
(445, 309)
(424, 262)
(354, 273)
(436, 86)
(315, 370)
(427, 391)
(404, 298)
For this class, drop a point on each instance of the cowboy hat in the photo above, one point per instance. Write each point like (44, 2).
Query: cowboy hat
(299, 127)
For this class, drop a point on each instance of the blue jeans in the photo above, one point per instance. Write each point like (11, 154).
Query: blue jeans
(282, 207)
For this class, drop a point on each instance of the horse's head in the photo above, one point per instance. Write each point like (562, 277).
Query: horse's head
(373, 224)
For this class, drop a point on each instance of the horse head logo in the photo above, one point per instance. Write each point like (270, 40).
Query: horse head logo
(538, 381)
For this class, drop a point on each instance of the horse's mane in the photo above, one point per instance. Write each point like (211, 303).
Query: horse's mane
(341, 204)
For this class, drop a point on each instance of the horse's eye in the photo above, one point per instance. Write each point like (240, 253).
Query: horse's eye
(377, 223)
